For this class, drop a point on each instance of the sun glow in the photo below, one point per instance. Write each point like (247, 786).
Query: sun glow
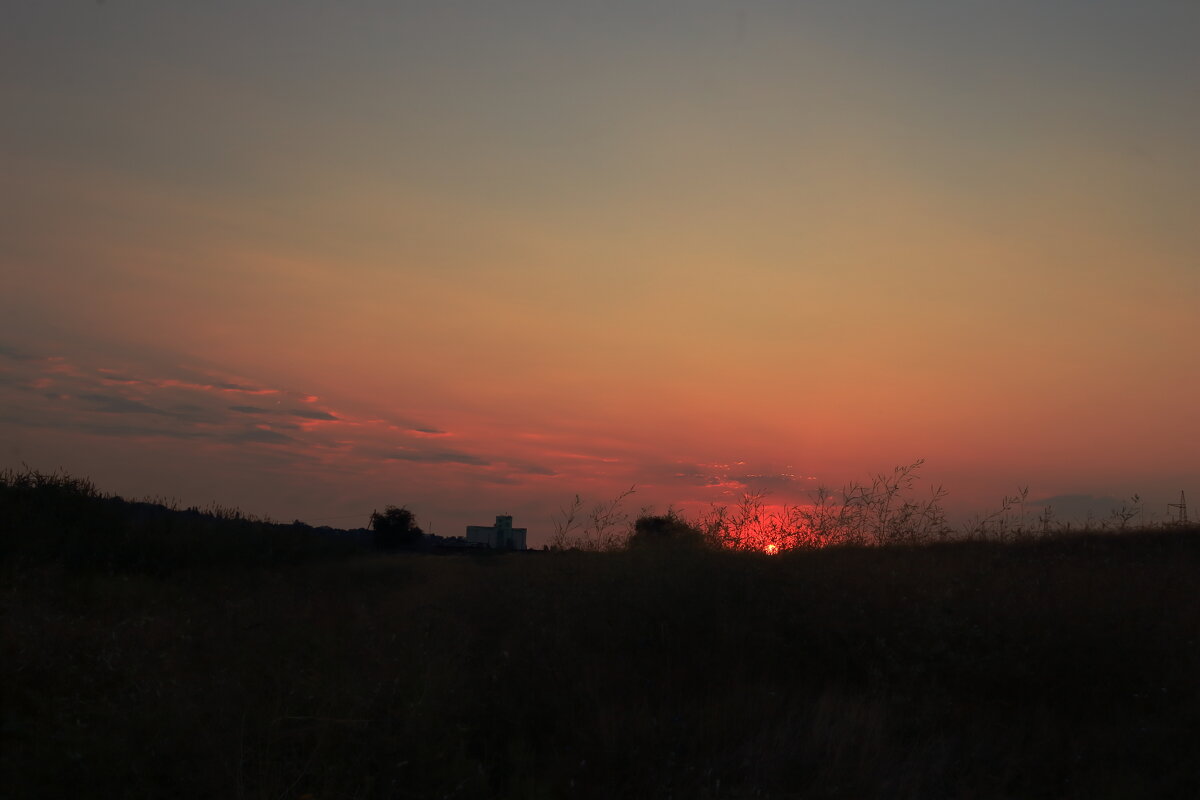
(771, 549)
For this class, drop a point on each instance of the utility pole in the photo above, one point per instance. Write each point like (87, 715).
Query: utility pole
(1182, 506)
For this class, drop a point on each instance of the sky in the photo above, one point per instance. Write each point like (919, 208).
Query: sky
(311, 259)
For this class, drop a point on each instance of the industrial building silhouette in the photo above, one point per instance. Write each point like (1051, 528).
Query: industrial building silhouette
(501, 536)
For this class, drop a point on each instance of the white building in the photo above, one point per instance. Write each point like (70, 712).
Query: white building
(501, 536)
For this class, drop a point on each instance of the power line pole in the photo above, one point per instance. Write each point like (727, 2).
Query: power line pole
(1182, 506)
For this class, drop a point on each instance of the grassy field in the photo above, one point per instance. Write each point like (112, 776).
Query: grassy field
(1058, 668)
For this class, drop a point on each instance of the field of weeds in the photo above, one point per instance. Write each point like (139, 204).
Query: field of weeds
(1057, 668)
(1065, 669)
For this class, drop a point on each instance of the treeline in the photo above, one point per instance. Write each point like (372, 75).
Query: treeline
(54, 518)
(57, 518)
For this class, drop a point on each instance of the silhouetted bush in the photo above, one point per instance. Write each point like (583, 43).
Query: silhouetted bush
(666, 530)
(606, 527)
(396, 529)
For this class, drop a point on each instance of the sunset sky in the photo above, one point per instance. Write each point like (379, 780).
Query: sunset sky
(313, 258)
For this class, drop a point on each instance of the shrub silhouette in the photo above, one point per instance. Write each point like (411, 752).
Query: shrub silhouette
(395, 529)
(667, 530)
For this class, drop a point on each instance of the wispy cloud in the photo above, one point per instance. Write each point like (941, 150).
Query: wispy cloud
(429, 433)
(276, 425)
(14, 354)
(324, 416)
(261, 435)
(439, 457)
(533, 469)
(115, 404)
(68, 394)
(302, 413)
(131, 431)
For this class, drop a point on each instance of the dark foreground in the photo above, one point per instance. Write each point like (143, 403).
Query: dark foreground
(1065, 668)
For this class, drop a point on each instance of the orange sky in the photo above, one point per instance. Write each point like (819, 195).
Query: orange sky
(477, 258)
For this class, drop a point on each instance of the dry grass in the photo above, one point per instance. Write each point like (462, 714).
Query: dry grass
(1064, 667)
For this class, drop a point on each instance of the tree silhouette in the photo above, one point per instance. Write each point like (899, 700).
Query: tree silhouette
(395, 529)
(667, 530)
